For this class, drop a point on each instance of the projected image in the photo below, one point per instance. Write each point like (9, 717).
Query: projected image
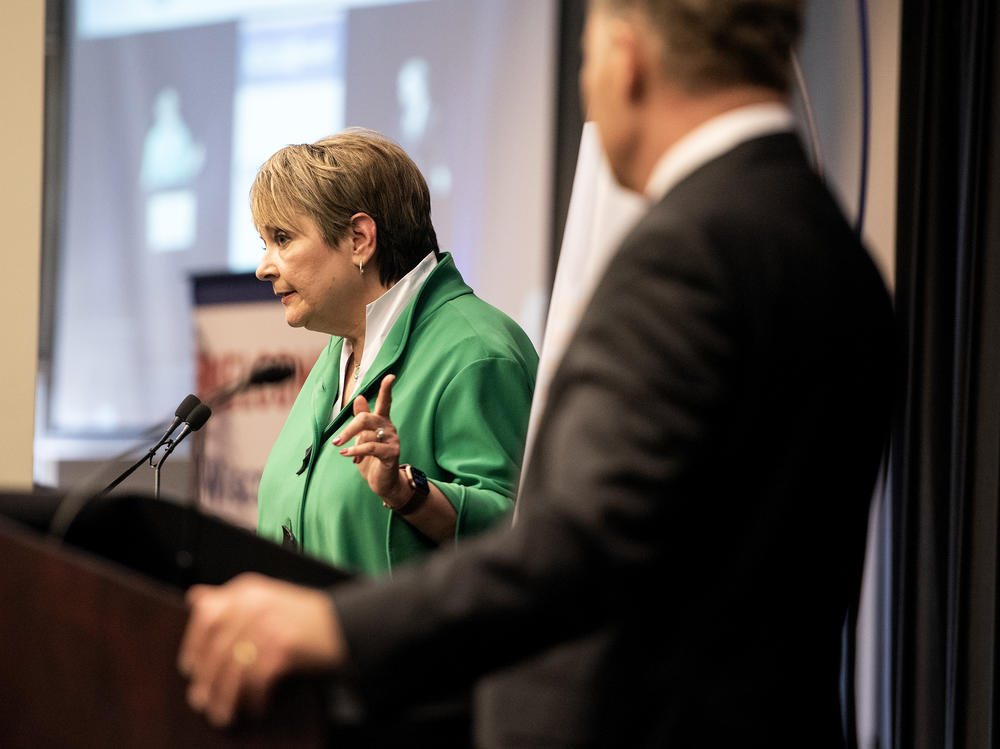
(403, 92)
(418, 113)
(172, 105)
(290, 89)
(148, 157)
(171, 160)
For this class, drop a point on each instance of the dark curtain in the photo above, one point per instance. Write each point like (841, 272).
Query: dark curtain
(569, 117)
(943, 521)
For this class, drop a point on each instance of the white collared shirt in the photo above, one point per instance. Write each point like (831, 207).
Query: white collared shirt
(714, 138)
(382, 314)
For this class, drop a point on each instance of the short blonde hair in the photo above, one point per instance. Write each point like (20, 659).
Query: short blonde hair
(356, 171)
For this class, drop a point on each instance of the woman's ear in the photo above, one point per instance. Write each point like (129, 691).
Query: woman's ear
(364, 233)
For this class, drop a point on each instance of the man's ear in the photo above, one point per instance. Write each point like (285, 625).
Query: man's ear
(364, 233)
(634, 59)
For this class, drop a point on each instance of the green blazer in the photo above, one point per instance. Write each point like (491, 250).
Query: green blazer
(465, 375)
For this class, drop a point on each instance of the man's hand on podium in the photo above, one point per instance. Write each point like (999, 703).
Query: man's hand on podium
(243, 637)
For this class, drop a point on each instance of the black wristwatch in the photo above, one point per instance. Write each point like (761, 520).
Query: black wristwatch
(420, 487)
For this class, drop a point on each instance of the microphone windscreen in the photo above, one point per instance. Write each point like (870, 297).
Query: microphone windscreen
(270, 373)
(187, 405)
(198, 416)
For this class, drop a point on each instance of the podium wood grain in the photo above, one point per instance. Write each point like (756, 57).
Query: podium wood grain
(89, 659)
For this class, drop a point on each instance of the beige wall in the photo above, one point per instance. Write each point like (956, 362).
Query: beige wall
(831, 65)
(22, 38)
(880, 226)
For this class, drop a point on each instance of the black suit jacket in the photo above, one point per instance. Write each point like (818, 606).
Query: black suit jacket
(693, 522)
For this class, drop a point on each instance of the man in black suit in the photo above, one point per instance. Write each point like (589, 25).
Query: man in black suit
(692, 525)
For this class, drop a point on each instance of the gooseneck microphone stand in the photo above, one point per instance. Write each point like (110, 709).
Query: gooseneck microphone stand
(194, 421)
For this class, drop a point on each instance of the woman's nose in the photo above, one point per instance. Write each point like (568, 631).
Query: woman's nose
(266, 270)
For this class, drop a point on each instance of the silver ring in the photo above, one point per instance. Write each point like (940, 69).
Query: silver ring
(379, 434)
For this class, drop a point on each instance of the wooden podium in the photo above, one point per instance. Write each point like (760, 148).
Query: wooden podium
(91, 625)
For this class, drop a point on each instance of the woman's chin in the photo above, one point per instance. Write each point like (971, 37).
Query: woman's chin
(293, 320)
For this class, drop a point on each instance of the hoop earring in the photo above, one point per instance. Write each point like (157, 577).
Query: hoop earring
(361, 267)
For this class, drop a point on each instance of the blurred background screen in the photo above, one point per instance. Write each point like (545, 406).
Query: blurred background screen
(170, 106)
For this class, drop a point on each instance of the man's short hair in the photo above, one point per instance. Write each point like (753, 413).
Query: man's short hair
(713, 44)
(356, 171)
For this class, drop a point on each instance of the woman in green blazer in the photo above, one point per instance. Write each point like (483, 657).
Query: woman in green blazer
(409, 430)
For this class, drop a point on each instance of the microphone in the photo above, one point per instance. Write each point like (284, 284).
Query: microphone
(193, 414)
(271, 373)
(192, 423)
(267, 373)
(71, 504)
(186, 407)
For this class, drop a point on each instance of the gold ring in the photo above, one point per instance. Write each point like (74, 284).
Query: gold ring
(245, 653)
